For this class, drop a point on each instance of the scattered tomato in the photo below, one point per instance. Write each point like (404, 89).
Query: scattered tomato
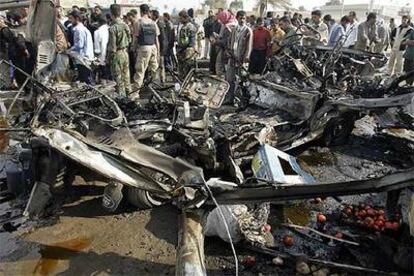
(267, 228)
(348, 211)
(369, 222)
(395, 226)
(321, 218)
(287, 240)
(362, 213)
(379, 223)
(249, 260)
(381, 218)
(371, 212)
(388, 225)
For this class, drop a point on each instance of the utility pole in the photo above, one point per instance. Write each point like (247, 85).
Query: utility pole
(371, 5)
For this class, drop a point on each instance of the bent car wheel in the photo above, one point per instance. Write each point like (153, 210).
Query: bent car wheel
(142, 199)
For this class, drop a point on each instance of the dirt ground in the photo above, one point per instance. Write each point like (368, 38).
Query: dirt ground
(83, 239)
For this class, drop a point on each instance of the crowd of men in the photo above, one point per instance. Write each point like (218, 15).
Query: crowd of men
(237, 40)
(140, 45)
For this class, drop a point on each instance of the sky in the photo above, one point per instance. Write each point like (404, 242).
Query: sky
(309, 4)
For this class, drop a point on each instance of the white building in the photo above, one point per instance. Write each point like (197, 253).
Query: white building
(386, 12)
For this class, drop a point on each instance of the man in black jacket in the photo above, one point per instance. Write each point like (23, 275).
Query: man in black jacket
(170, 35)
(213, 48)
(19, 50)
(208, 31)
(163, 42)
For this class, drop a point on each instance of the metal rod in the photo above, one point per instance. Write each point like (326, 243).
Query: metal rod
(6, 129)
(285, 192)
(190, 250)
(17, 96)
(14, 4)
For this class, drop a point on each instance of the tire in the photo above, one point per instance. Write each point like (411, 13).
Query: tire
(338, 130)
(142, 199)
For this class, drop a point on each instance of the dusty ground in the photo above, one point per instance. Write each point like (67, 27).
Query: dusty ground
(83, 239)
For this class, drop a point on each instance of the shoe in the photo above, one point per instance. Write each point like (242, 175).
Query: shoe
(112, 196)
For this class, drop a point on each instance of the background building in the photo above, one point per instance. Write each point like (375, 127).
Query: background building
(337, 10)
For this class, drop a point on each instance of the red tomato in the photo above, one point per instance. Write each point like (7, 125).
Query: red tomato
(362, 213)
(288, 240)
(379, 223)
(249, 260)
(388, 225)
(267, 228)
(321, 218)
(395, 226)
(381, 218)
(369, 222)
(371, 212)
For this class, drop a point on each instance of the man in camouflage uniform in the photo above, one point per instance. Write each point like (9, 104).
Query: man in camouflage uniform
(186, 44)
(119, 39)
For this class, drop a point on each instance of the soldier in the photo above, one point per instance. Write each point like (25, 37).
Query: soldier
(186, 44)
(119, 39)
(148, 46)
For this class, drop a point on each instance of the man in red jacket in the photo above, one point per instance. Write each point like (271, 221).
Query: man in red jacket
(261, 42)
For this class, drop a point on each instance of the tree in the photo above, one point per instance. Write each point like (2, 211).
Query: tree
(236, 5)
(215, 4)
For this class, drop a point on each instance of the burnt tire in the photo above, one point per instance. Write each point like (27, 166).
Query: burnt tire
(142, 199)
(338, 130)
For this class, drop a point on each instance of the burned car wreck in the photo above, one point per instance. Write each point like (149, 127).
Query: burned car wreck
(220, 163)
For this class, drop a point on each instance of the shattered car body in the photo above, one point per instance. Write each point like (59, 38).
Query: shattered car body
(168, 153)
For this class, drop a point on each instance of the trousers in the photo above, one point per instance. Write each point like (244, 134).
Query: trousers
(84, 74)
(147, 59)
(206, 48)
(119, 62)
(395, 63)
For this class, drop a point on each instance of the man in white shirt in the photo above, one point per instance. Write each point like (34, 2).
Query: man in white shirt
(101, 37)
(317, 24)
(352, 30)
(83, 46)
